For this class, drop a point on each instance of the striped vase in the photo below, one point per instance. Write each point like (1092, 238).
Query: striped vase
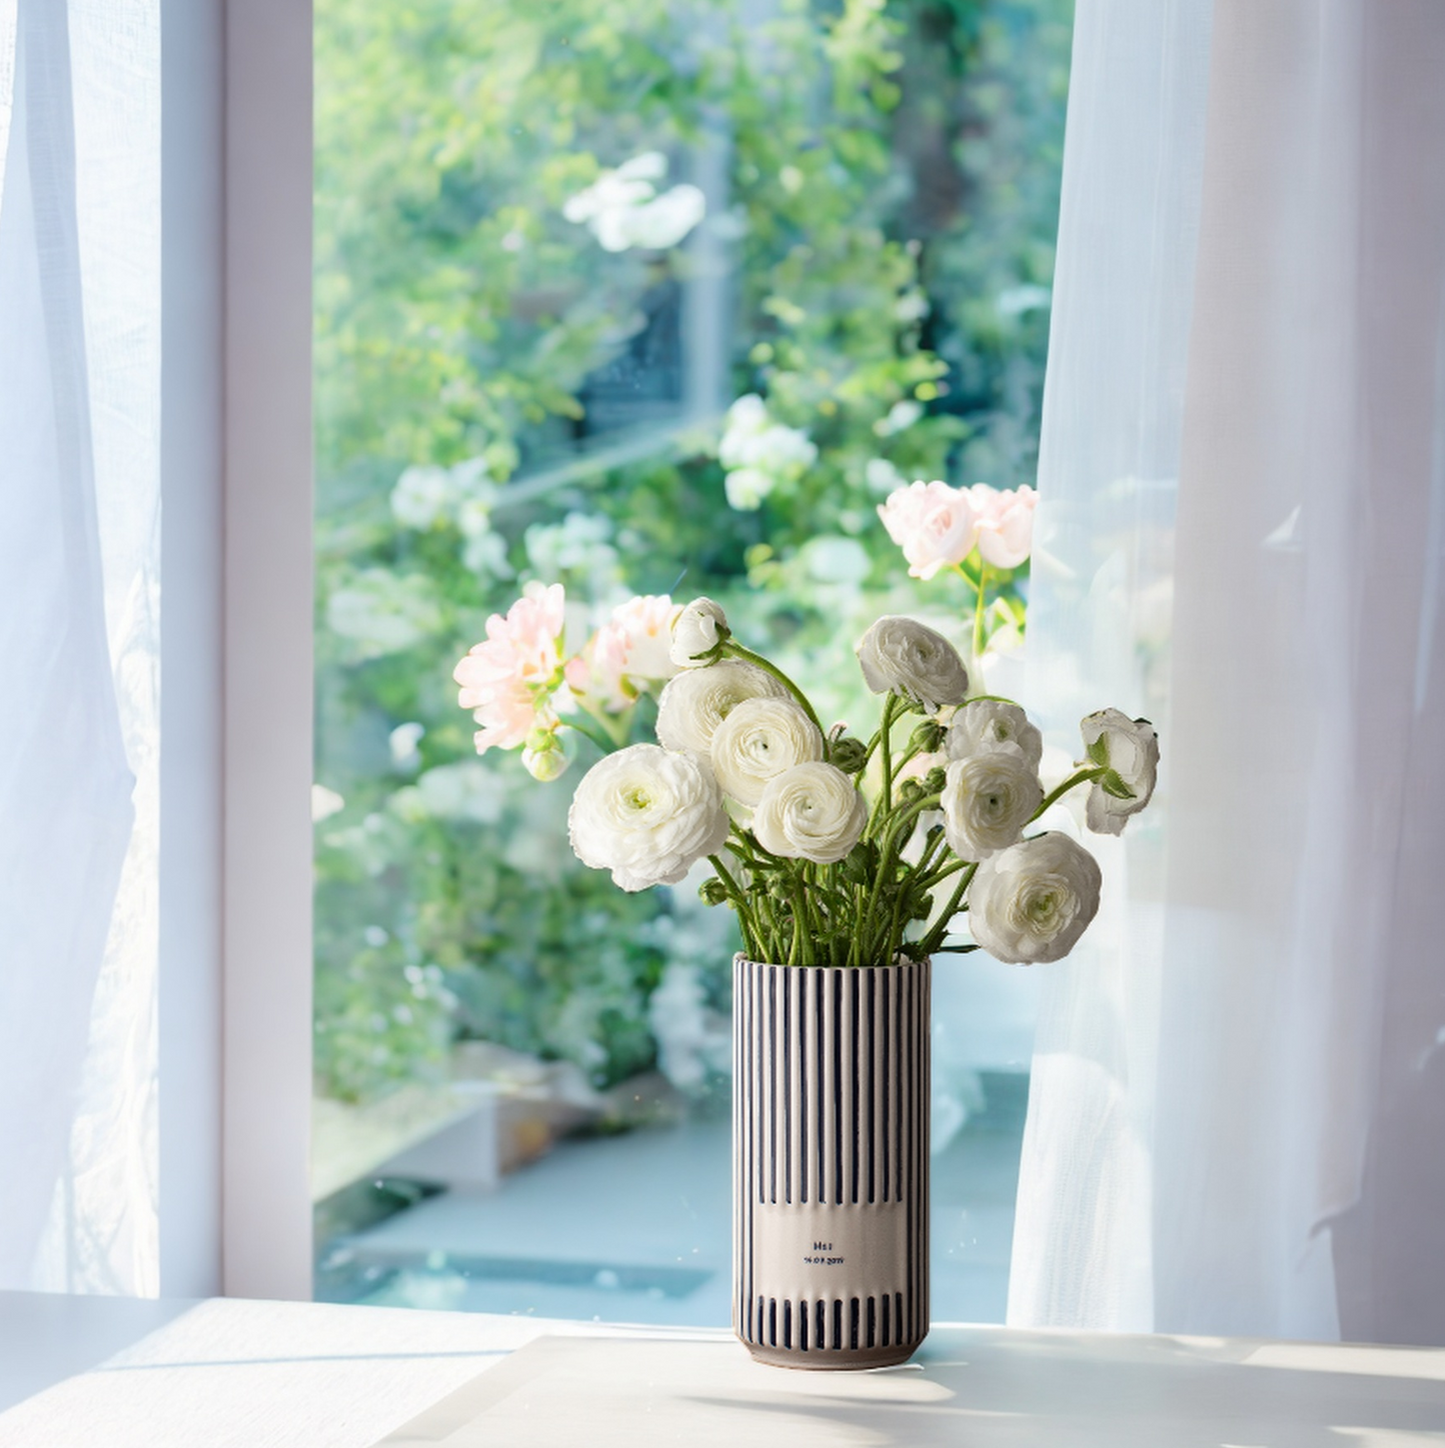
(830, 1162)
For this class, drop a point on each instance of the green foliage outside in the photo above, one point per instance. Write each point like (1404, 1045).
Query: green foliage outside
(883, 194)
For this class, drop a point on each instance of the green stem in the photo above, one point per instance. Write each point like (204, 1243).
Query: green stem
(595, 731)
(740, 904)
(855, 936)
(892, 841)
(889, 946)
(925, 860)
(746, 844)
(883, 739)
(906, 816)
(978, 612)
(944, 871)
(1078, 777)
(737, 651)
(935, 937)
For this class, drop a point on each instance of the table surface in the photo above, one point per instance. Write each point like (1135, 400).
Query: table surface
(112, 1373)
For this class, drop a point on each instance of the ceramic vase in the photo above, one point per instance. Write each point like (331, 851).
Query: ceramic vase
(830, 1162)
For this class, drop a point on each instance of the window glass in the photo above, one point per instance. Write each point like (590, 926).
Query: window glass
(641, 299)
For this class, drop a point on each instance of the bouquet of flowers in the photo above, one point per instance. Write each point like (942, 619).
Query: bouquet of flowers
(831, 848)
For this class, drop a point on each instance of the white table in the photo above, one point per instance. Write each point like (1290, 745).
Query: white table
(256, 1374)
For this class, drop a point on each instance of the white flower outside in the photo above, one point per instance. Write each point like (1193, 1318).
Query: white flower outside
(747, 487)
(1029, 904)
(906, 657)
(812, 812)
(622, 207)
(423, 497)
(758, 453)
(648, 815)
(758, 740)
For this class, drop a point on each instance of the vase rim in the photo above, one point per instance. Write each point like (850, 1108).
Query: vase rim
(903, 962)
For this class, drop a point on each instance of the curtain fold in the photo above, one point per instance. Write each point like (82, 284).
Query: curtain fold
(1099, 633)
(79, 327)
(1272, 953)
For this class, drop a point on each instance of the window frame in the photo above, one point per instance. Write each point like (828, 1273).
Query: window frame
(267, 651)
(235, 891)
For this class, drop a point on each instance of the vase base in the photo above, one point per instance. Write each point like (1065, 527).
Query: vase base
(833, 1359)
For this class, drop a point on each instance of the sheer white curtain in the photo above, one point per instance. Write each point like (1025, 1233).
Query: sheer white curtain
(79, 375)
(1239, 1091)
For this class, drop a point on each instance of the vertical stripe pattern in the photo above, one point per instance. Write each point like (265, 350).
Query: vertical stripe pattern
(831, 1096)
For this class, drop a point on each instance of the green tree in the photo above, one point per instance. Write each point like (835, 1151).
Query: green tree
(502, 397)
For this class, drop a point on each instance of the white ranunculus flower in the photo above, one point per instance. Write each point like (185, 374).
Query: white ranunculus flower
(987, 800)
(696, 701)
(648, 815)
(1030, 903)
(698, 630)
(758, 740)
(812, 811)
(1130, 748)
(908, 657)
(983, 724)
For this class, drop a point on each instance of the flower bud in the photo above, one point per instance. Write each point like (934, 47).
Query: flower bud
(848, 754)
(545, 764)
(698, 634)
(713, 892)
(927, 738)
(934, 780)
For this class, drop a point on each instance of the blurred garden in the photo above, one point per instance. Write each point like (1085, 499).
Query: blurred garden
(644, 298)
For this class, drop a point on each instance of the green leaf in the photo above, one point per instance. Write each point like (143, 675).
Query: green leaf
(854, 866)
(1098, 751)
(1113, 785)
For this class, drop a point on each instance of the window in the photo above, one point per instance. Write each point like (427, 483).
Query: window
(641, 300)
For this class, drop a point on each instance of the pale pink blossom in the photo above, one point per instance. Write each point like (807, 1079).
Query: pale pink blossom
(641, 630)
(578, 672)
(512, 680)
(1005, 523)
(634, 644)
(933, 523)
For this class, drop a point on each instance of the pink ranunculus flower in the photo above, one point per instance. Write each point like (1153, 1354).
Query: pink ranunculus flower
(635, 643)
(934, 524)
(512, 680)
(1005, 523)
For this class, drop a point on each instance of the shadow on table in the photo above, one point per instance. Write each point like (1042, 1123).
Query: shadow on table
(1076, 1392)
(986, 1388)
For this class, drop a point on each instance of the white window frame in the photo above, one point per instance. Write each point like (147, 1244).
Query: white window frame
(236, 952)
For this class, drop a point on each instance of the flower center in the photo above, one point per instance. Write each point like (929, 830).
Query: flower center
(1040, 908)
